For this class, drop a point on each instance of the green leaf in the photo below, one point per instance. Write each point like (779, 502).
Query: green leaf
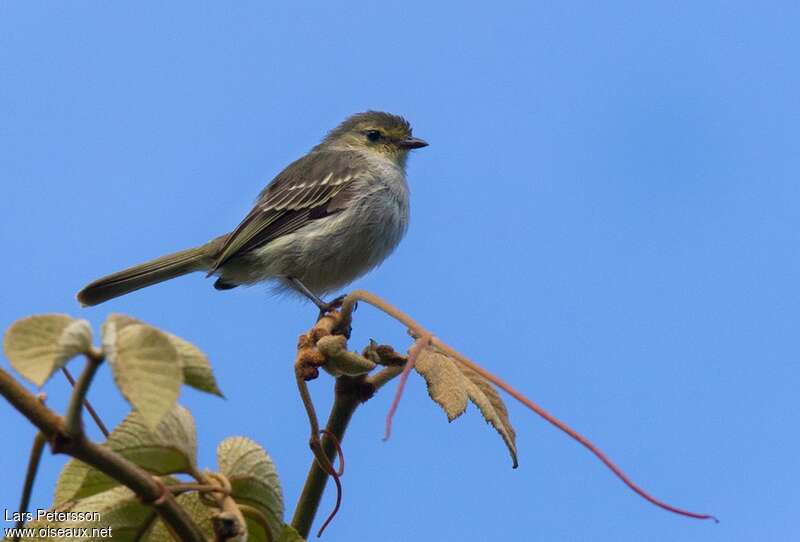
(197, 371)
(255, 532)
(146, 367)
(451, 383)
(38, 346)
(289, 534)
(197, 510)
(170, 448)
(78, 480)
(254, 480)
(116, 513)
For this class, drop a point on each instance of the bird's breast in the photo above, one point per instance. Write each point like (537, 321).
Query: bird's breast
(362, 236)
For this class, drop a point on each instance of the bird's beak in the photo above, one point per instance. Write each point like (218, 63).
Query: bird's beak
(413, 143)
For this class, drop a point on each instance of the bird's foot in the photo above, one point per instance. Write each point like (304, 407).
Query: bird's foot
(325, 308)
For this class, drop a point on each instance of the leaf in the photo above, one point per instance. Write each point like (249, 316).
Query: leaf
(74, 482)
(118, 321)
(196, 369)
(451, 383)
(254, 480)
(255, 532)
(493, 409)
(197, 510)
(170, 448)
(289, 534)
(145, 366)
(445, 382)
(38, 346)
(116, 513)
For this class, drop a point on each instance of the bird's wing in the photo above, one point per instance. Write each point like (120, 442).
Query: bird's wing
(306, 190)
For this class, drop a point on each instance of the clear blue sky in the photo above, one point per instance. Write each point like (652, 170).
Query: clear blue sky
(607, 216)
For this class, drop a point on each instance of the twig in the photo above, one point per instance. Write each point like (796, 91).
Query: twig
(419, 331)
(149, 489)
(566, 429)
(30, 476)
(336, 474)
(349, 393)
(419, 345)
(309, 358)
(345, 402)
(195, 473)
(177, 489)
(230, 522)
(305, 396)
(340, 471)
(383, 376)
(89, 408)
(72, 420)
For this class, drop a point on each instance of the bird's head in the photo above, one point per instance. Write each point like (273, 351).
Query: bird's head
(374, 132)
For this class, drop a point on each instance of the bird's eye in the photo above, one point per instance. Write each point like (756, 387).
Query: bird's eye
(373, 135)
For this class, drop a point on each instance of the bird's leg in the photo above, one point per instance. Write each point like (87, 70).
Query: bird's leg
(321, 305)
(300, 287)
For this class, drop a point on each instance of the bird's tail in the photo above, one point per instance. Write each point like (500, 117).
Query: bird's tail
(146, 274)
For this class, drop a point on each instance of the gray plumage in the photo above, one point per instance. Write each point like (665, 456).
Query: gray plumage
(325, 220)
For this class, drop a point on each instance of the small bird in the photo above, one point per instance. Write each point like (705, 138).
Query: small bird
(325, 220)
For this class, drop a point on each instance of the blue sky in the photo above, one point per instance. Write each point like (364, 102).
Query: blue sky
(606, 216)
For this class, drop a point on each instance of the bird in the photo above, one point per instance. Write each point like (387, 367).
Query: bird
(325, 220)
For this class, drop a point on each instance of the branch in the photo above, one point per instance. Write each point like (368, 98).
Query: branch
(419, 332)
(568, 430)
(346, 400)
(72, 420)
(149, 489)
(350, 391)
(383, 376)
(30, 477)
(177, 489)
(419, 345)
(89, 408)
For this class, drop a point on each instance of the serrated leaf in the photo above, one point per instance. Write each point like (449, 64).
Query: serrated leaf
(289, 534)
(38, 346)
(197, 510)
(493, 409)
(450, 384)
(170, 448)
(116, 513)
(146, 368)
(445, 382)
(254, 480)
(197, 371)
(78, 480)
(111, 327)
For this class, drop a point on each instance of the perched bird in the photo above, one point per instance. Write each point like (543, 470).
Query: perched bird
(324, 221)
